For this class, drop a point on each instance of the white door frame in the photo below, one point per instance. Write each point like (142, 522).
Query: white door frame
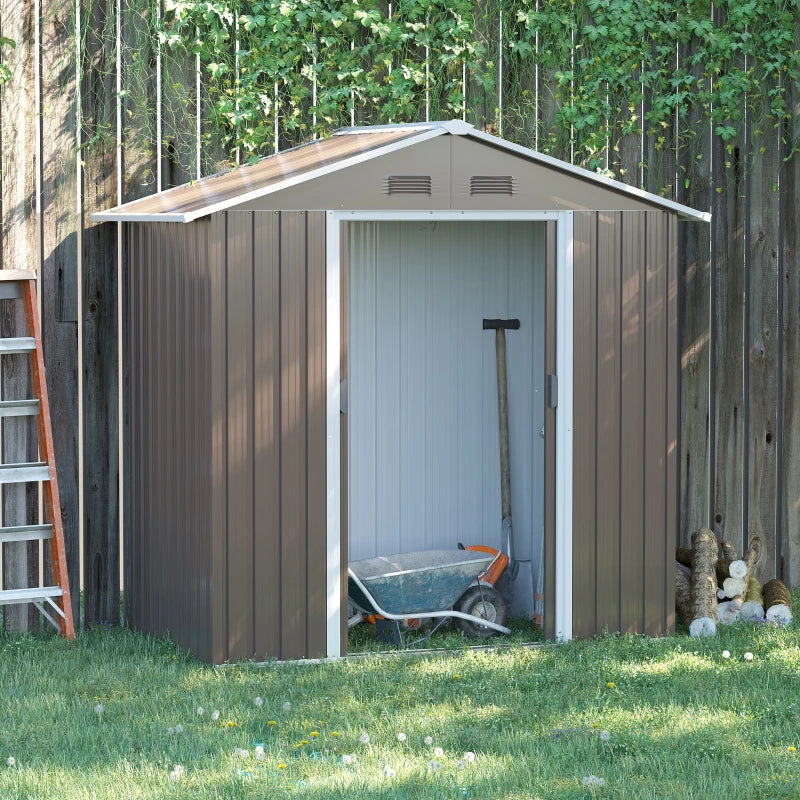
(564, 353)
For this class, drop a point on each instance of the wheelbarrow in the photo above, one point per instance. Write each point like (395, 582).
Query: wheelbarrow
(438, 585)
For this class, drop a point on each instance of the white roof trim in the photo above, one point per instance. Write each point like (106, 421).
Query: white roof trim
(563, 166)
(115, 215)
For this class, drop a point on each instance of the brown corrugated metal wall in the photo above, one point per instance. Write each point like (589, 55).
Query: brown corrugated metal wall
(226, 488)
(625, 421)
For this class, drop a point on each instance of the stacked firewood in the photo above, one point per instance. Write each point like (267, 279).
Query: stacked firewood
(714, 586)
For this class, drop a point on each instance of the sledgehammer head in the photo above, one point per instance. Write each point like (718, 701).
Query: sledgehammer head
(505, 324)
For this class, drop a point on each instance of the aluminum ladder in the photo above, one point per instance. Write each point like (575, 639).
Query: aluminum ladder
(52, 601)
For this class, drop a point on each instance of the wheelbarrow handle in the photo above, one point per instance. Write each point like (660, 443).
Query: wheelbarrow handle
(501, 324)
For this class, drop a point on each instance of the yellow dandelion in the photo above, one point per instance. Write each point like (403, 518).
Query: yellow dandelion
(595, 725)
(611, 685)
(271, 722)
(314, 734)
(281, 766)
(335, 733)
(456, 676)
(792, 748)
(304, 741)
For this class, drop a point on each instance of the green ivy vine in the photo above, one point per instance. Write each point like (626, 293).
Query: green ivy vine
(607, 74)
(5, 72)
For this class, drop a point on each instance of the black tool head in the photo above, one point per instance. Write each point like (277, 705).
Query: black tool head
(494, 324)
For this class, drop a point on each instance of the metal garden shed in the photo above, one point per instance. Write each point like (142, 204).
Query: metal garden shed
(308, 381)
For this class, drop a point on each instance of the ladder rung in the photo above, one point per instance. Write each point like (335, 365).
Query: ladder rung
(19, 408)
(22, 473)
(11, 596)
(25, 344)
(26, 533)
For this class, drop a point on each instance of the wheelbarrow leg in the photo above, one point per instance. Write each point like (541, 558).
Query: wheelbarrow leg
(388, 630)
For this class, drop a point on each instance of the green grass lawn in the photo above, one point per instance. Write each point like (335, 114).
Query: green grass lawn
(652, 718)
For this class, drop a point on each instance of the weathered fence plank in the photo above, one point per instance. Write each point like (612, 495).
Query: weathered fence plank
(728, 209)
(99, 321)
(20, 250)
(695, 336)
(790, 274)
(59, 279)
(763, 391)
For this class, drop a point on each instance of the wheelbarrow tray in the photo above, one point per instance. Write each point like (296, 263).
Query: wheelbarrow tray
(415, 583)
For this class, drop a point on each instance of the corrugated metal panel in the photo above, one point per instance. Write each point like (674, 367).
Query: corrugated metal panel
(168, 543)
(608, 420)
(227, 484)
(632, 424)
(584, 553)
(208, 192)
(625, 475)
(655, 398)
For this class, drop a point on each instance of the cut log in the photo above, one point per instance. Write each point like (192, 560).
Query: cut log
(702, 626)
(721, 594)
(734, 586)
(777, 602)
(742, 568)
(683, 595)
(704, 583)
(722, 568)
(727, 613)
(753, 607)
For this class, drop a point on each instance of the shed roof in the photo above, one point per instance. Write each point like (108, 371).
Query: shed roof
(345, 148)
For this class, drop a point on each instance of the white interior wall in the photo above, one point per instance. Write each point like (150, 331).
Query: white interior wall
(422, 393)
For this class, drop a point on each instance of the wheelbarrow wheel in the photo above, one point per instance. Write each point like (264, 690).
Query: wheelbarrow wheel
(484, 602)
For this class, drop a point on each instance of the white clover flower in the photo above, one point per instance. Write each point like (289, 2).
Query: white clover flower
(348, 758)
(240, 753)
(434, 766)
(12, 762)
(98, 709)
(594, 781)
(726, 653)
(748, 656)
(459, 764)
(401, 737)
(177, 773)
(200, 711)
(438, 752)
(388, 772)
(287, 706)
(215, 715)
(364, 738)
(260, 754)
(170, 731)
(469, 757)
(605, 736)
(428, 740)
(179, 728)
(259, 701)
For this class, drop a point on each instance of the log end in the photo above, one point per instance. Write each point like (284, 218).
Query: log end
(703, 626)
(727, 613)
(779, 614)
(734, 586)
(752, 611)
(738, 569)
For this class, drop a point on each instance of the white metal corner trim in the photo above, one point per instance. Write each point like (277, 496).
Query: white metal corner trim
(333, 435)
(564, 370)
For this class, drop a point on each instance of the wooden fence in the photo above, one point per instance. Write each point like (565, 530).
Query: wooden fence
(82, 130)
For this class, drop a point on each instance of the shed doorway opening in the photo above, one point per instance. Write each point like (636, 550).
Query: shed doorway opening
(423, 464)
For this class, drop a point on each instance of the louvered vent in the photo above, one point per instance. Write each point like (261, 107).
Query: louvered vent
(409, 184)
(491, 184)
